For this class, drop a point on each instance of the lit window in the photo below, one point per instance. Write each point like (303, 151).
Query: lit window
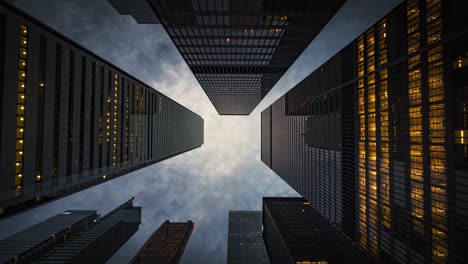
(461, 137)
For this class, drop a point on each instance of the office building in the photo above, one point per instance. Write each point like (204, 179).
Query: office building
(73, 236)
(100, 241)
(245, 240)
(237, 49)
(70, 120)
(166, 244)
(294, 233)
(45, 235)
(376, 138)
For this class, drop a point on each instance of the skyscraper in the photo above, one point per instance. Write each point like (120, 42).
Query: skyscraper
(237, 49)
(31, 242)
(71, 120)
(294, 233)
(245, 240)
(166, 244)
(73, 237)
(376, 138)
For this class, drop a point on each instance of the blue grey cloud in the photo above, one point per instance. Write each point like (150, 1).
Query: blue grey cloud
(204, 184)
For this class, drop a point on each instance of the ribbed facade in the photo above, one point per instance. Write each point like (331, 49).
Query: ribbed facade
(295, 233)
(238, 50)
(166, 244)
(71, 120)
(73, 236)
(99, 241)
(401, 134)
(302, 142)
(245, 240)
(28, 244)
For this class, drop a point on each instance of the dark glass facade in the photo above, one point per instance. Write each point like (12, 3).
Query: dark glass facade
(73, 237)
(99, 241)
(71, 120)
(245, 240)
(376, 138)
(166, 244)
(238, 50)
(31, 242)
(295, 233)
(140, 10)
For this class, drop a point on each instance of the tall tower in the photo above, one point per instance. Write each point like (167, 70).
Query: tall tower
(73, 237)
(376, 138)
(245, 240)
(71, 120)
(166, 244)
(237, 50)
(294, 233)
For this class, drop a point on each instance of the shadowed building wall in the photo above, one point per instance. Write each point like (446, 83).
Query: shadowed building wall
(295, 233)
(166, 244)
(237, 49)
(73, 237)
(245, 240)
(70, 119)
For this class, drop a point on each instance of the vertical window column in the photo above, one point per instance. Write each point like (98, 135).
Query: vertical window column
(92, 95)
(40, 111)
(20, 109)
(415, 117)
(57, 95)
(140, 138)
(82, 115)
(371, 144)
(437, 144)
(71, 92)
(108, 118)
(127, 121)
(132, 124)
(362, 168)
(384, 162)
(101, 119)
(123, 123)
(137, 123)
(115, 126)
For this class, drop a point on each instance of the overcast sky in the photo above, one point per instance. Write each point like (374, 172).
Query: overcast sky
(204, 184)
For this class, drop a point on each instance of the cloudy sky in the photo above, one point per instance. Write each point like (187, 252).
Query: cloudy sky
(204, 184)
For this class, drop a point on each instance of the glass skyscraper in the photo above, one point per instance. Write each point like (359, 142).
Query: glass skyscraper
(294, 232)
(245, 240)
(166, 244)
(237, 49)
(73, 236)
(376, 138)
(70, 119)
